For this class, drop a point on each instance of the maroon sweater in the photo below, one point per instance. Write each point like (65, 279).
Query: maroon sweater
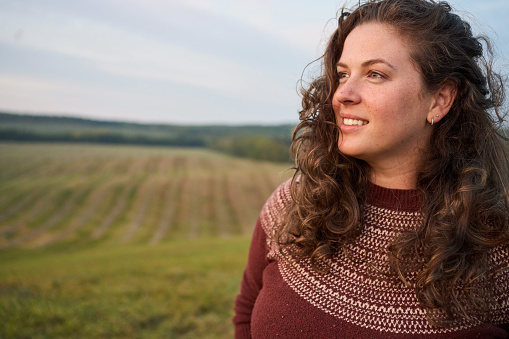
(358, 298)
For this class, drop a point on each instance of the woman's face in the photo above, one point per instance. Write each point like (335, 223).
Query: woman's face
(380, 105)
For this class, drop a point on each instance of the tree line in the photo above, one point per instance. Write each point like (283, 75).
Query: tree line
(259, 142)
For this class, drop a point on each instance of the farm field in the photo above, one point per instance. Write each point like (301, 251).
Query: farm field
(72, 194)
(124, 241)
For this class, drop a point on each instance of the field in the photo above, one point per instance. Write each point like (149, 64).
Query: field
(118, 241)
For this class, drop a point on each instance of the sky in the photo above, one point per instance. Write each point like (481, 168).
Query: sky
(176, 61)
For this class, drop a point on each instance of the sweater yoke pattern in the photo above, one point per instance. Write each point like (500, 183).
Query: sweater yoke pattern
(359, 288)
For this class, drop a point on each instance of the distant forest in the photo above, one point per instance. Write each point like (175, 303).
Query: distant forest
(269, 143)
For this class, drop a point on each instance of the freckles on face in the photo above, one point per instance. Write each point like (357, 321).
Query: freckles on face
(381, 87)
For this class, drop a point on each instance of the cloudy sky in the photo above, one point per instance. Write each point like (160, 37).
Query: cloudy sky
(174, 61)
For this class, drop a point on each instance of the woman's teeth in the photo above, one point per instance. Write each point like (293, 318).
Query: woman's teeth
(353, 122)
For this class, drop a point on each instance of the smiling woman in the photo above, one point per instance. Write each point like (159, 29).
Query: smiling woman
(396, 223)
(381, 105)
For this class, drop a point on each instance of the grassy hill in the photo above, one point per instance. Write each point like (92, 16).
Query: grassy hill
(124, 241)
(77, 193)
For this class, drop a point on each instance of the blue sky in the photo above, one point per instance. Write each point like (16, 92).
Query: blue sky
(175, 61)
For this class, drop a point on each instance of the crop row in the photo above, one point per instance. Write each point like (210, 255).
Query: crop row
(62, 193)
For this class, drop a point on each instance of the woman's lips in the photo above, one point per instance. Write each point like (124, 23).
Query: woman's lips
(352, 124)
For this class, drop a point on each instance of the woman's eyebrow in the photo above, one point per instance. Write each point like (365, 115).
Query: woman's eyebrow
(368, 63)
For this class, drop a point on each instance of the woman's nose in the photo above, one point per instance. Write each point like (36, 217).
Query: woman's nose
(348, 92)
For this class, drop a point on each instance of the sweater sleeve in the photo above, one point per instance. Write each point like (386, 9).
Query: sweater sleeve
(252, 282)
(260, 254)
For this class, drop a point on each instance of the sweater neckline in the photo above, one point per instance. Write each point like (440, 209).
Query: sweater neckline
(393, 199)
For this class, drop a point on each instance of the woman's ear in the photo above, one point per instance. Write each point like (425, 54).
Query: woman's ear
(442, 102)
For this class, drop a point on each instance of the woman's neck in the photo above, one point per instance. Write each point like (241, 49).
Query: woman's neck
(399, 176)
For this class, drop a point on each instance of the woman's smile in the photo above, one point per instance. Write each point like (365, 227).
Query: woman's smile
(354, 122)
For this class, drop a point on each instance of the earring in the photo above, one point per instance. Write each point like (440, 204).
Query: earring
(433, 119)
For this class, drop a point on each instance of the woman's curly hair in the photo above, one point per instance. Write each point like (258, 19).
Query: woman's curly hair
(463, 182)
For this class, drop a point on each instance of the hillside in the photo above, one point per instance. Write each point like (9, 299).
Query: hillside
(79, 193)
(115, 241)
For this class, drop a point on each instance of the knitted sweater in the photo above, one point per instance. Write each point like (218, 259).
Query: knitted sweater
(358, 297)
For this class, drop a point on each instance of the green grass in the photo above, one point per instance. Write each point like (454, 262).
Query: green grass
(124, 241)
(179, 289)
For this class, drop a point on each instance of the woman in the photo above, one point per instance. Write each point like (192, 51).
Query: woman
(396, 222)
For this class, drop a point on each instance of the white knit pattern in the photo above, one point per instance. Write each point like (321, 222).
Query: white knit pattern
(359, 289)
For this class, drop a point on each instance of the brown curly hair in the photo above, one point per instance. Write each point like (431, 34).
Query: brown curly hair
(463, 182)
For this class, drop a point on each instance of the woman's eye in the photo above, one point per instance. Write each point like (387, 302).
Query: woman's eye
(342, 76)
(376, 75)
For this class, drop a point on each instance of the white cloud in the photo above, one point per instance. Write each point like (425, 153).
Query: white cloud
(299, 24)
(12, 83)
(120, 52)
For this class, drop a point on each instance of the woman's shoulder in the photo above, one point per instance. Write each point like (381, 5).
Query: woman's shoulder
(272, 214)
(273, 208)
(280, 198)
